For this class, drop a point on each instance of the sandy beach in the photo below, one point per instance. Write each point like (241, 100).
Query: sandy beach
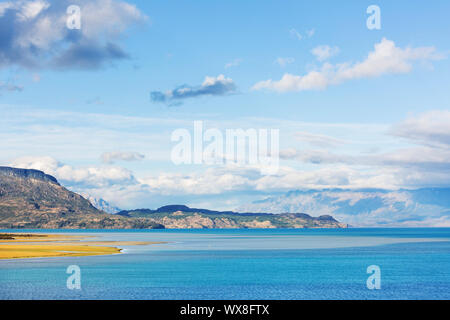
(19, 246)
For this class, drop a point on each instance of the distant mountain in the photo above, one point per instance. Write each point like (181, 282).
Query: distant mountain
(182, 208)
(428, 207)
(102, 205)
(183, 217)
(32, 199)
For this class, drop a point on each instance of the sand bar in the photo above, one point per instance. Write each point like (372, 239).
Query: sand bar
(19, 246)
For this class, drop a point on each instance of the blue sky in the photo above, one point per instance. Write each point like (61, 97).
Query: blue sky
(381, 121)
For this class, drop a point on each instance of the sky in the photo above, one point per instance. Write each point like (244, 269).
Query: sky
(97, 106)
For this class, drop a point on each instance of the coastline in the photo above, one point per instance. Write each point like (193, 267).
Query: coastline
(23, 246)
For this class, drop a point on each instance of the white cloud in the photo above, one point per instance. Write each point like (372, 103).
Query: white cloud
(110, 17)
(311, 81)
(213, 86)
(88, 177)
(386, 58)
(249, 179)
(324, 52)
(404, 167)
(396, 165)
(36, 35)
(30, 9)
(30, 131)
(210, 181)
(111, 157)
(431, 128)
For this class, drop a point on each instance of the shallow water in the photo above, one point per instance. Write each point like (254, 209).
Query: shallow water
(244, 264)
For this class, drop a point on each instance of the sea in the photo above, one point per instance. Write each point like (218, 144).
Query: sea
(224, 264)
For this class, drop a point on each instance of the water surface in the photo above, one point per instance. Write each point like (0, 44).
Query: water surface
(244, 264)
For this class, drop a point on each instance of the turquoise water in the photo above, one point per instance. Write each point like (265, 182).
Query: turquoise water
(244, 264)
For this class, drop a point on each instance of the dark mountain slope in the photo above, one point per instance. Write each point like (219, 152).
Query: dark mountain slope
(32, 199)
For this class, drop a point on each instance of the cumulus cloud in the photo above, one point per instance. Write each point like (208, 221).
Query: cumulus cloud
(213, 86)
(249, 179)
(324, 52)
(111, 180)
(386, 58)
(86, 177)
(211, 181)
(34, 33)
(242, 181)
(111, 157)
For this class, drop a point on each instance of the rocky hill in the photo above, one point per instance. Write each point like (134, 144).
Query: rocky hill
(32, 199)
(183, 217)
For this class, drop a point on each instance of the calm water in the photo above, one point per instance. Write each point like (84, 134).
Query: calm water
(245, 264)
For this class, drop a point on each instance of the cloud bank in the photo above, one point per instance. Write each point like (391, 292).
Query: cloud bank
(86, 177)
(431, 128)
(365, 207)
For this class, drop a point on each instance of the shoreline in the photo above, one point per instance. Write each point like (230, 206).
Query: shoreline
(25, 246)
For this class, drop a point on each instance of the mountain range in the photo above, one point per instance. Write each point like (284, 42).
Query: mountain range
(426, 207)
(33, 199)
(182, 217)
